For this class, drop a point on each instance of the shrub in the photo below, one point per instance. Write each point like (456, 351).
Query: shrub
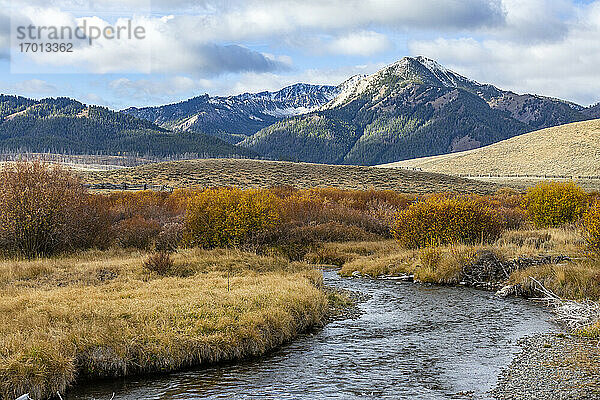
(160, 263)
(136, 232)
(145, 203)
(591, 228)
(440, 220)
(170, 237)
(555, 203)
(229, 217)
(44, 210)
(508, 203)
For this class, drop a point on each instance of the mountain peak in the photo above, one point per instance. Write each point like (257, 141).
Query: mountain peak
(417, 70)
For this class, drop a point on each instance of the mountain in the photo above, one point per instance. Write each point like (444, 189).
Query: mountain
(66, 125)
(592, 111)
(412, 108)
(566, 150)
(233, 118)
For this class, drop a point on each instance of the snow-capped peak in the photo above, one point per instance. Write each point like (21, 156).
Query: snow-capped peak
(418, 68)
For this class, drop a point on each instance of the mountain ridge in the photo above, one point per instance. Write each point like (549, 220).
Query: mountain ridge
(65, 125)
(232, 118)
(411, 108)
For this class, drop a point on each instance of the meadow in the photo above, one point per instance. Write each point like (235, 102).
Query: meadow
(113, 284)
(246, 174)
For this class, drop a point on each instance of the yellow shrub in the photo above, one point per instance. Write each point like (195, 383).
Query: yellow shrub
(229, 217)
(440, 220)
(591, 228)
(555, 203)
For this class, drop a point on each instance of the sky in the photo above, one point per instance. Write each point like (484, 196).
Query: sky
(225, 47)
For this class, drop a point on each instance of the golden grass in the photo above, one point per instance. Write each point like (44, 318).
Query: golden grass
(592, 332)
(262, 174)
(571, 149)
(443, 264)
(101, 314)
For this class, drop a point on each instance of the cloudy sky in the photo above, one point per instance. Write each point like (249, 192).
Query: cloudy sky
(222, 47)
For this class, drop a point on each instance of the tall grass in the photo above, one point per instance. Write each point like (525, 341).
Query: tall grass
(97, 315)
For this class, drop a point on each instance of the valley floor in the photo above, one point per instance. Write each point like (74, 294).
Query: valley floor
(101, 314)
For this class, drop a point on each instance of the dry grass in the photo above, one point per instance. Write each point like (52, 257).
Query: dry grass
(443, 264)
(571, 149)
(577, 280)
(101, 314)
(263, 174)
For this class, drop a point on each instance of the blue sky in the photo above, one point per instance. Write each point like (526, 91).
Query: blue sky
(223, 47)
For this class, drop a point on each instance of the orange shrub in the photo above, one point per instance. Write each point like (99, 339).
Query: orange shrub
(301, 207)
(591, 227)
(439, 220)
(319, 206)
(508, 203)
(44, 210)
(229, 217)
(137, 232)
(146, 203)
(363, 199)
(555, 203)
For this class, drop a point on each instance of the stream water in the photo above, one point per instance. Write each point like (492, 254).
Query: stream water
(411, 342)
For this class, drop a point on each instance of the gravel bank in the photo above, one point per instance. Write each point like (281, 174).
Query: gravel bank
(552, 367)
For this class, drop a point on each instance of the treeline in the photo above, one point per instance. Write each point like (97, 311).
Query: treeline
(67, 126)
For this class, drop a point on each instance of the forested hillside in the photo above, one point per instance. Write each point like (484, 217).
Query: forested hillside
(67, 126)
(412, 108)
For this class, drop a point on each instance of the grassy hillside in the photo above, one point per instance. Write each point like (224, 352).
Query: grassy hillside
(568, 150)
(256, 173)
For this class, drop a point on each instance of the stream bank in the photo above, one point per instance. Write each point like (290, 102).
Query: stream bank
(408, 342)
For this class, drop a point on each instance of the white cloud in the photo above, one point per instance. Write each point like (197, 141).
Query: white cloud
(564, 67)
(34, 86)
(363, 43)
(157, 89)
(544, 46)
(255, 19)
(535, 20)
(165, 47)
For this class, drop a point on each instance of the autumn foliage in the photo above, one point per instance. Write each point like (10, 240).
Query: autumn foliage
(439, 220)
(551, 204)
(44, 210)
(229, 216)
(591, 228)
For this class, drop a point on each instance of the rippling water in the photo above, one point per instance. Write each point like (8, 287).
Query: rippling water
(412, 342)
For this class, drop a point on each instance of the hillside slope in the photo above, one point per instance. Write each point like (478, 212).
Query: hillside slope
(569, 150)
(412, 108)
(63, 125)
(233, 118)
(262, 174)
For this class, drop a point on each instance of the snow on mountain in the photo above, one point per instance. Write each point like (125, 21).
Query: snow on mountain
(233, 117)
